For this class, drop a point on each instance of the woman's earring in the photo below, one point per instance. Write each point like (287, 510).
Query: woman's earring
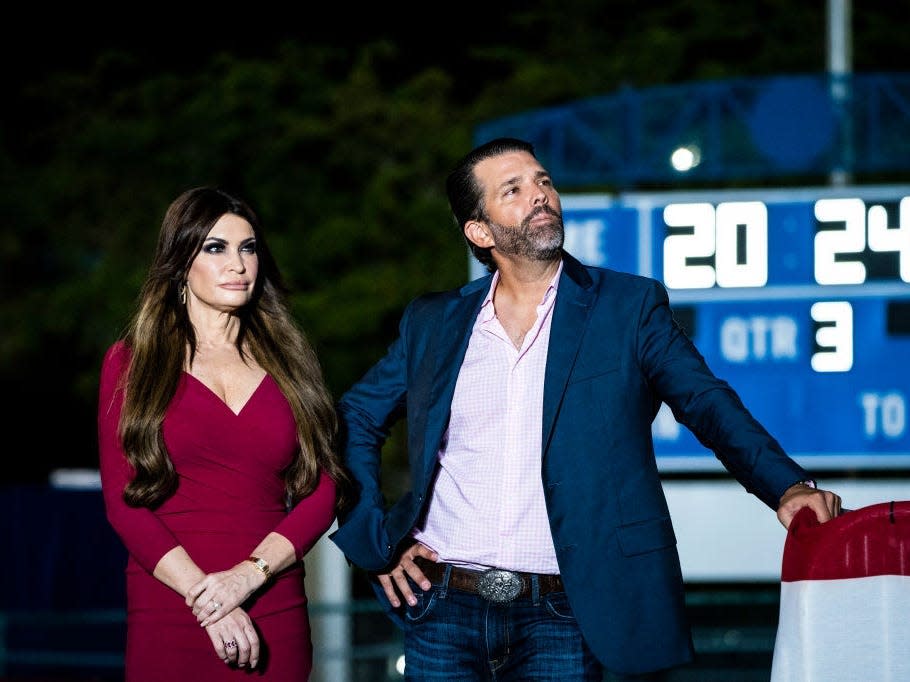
(181, 294)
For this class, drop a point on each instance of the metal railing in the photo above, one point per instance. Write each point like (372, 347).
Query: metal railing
(740, 129)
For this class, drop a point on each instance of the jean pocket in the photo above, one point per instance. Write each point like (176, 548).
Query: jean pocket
(424, 606)
(558, 605)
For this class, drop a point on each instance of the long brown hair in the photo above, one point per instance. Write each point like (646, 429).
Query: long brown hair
(160, 331)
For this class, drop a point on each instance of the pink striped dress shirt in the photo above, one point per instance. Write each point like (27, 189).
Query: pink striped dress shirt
(487, 508)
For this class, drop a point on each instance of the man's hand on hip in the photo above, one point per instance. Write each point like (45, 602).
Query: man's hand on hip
(395, 582)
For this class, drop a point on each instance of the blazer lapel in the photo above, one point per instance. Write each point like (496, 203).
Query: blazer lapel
(574, 300)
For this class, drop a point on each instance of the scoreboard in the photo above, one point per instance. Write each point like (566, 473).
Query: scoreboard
(799, 298)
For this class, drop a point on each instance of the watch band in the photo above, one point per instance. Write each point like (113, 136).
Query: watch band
(261, 566)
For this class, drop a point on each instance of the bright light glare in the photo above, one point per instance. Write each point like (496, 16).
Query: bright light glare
(685, 158)
(399, 665)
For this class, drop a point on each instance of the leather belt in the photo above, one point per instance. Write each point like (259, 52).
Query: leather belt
(495, 585)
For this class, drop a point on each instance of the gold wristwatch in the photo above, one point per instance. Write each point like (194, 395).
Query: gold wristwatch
(261, 566)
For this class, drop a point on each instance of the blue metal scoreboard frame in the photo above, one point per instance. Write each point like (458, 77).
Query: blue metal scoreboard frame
(799, 298)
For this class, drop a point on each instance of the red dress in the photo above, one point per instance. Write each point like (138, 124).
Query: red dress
(230, 496)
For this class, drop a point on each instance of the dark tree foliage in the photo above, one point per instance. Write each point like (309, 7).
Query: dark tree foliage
(340, 133)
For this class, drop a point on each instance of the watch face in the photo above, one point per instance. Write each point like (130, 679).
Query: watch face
(261, 565)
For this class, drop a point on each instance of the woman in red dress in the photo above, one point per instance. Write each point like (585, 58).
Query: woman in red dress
(217, 456)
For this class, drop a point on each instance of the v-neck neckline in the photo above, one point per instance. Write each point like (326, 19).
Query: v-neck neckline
(219, 399)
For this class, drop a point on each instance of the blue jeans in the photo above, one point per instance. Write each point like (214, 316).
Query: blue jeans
(456, 635)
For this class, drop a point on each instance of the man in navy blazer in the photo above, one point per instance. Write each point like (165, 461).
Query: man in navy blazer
(536, 542)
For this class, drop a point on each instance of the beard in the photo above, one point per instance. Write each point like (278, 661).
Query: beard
(540, 242)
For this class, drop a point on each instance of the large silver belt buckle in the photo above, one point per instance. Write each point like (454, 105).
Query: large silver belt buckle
(499, 586)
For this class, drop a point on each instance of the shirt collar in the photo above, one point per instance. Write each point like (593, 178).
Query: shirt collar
(487, 311)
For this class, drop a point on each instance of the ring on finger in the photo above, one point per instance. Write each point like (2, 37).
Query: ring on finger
(231, 644)
(216, 605)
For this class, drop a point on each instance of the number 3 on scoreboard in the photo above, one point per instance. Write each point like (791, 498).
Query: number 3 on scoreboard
(834, 335)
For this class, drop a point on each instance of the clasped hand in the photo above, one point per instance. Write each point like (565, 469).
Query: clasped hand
(235, 639)
(215, 601)
(219, 593)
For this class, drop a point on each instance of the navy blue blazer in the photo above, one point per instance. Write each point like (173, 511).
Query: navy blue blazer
(615, 354)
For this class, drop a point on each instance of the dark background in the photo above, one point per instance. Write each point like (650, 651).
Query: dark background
(337, 124)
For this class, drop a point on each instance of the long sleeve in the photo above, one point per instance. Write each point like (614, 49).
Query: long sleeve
(708, 406)
(144, 536)
(368, 409)
(311, 517)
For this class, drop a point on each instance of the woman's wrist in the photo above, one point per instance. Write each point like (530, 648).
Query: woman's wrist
(262, 567)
